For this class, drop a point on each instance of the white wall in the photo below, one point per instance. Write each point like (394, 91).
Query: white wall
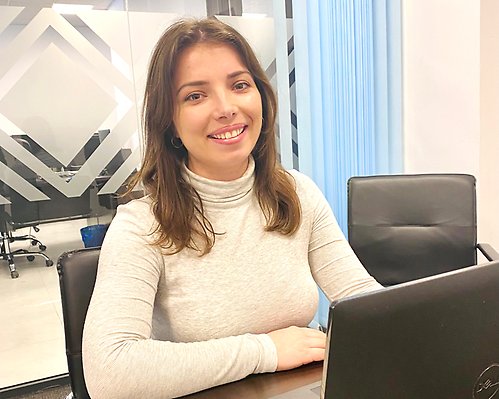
(444, 106)
(441, 69)
(488, 217)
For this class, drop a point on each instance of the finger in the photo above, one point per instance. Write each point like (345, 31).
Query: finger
(317, 354)
(316, 342)
(315, 333)
(314, 355)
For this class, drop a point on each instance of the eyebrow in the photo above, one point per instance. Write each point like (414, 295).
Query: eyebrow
(204, 82)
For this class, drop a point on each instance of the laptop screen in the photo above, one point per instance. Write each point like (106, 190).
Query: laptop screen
(436, 337)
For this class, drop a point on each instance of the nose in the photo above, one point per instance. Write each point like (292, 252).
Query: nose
(225, 107)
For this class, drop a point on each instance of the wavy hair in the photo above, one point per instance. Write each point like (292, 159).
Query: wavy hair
(177, 207)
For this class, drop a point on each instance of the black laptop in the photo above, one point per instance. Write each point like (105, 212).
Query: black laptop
(434, 338)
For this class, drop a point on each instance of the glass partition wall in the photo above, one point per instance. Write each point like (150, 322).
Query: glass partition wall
(71, 85)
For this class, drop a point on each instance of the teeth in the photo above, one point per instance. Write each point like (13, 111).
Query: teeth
(228, 135)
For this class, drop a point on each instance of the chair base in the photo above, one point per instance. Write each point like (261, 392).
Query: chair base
(7, 254)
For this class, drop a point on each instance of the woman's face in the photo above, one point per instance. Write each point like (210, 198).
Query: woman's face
(218, 110)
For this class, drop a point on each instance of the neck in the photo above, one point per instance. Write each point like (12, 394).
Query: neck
(220, 174)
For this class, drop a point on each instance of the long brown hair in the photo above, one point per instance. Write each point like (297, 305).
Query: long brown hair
(178, 208)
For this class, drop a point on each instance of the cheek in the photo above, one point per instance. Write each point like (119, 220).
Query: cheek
(259, 113)
(259, 101)
(190, 125)
(259, 108)
(254, 104)
(176, 121)
(183, 121)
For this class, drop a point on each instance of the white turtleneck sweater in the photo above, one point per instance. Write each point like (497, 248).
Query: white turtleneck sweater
(162, 326)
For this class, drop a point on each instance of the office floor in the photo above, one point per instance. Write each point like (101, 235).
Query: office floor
(31, 333)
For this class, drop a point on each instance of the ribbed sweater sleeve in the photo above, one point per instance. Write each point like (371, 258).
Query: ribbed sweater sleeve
(120, 358)
(334, 265)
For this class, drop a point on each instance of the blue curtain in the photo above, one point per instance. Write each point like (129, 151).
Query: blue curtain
(348, 91)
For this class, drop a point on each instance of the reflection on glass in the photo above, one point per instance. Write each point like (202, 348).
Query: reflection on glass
(71, 84)
(69, 140)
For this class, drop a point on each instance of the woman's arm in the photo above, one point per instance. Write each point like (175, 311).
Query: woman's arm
(120, 359)
(334, 265)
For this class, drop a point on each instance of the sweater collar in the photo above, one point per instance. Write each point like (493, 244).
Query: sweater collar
(222, 192)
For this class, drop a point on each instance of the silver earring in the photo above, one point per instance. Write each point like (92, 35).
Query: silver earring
(176, 142)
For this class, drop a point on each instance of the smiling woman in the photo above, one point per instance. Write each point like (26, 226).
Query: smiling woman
(218, 111)
(204, 79)
(214, 272)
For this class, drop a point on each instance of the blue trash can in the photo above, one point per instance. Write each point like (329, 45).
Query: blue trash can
(93, 236)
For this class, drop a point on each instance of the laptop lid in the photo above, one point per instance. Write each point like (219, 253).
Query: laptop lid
(436, 337)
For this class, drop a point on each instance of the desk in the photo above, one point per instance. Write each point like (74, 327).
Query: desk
(262, 386)
(24, 213)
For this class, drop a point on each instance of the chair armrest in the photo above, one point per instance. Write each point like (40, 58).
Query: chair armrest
(489, 252)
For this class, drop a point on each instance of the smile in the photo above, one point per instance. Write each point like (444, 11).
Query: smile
(227, 135)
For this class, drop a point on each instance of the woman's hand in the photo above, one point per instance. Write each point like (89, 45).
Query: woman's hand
(297, 346)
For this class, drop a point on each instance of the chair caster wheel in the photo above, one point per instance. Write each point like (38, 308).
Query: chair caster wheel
(14, 274)
(30, 258)
(42, 247)
(49, 263)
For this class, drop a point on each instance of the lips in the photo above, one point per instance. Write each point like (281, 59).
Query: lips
(228, 133)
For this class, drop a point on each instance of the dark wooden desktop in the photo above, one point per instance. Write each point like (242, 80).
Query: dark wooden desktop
(261, 386)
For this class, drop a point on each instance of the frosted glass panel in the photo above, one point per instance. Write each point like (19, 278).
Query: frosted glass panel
(56, 76)
(71, 88)
(69, 140)
(67, 78)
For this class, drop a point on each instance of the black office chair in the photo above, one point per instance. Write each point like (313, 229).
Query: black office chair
(77, 272)
(405, 227)
(7, 237)
(19, 214)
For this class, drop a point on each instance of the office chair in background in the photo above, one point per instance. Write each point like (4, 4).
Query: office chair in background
(77, 272)
(8, 237)
(22, 213)
(405, 227)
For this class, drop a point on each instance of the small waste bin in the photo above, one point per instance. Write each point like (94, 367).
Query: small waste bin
(92, 236)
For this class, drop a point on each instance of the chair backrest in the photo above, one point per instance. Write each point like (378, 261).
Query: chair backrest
(77, 271)
(5, 225)
(22, 212)
(405, 227)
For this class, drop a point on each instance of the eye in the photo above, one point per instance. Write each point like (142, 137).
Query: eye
(240, 86)
(193, 97)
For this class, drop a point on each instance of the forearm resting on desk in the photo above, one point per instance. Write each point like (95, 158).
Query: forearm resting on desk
(159, 369)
